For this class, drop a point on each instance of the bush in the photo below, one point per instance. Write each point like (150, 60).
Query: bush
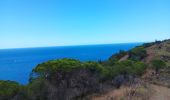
(126, 71)
(137, 53)
(145, 45)
(158, 64)
(50, 68)
(64, 74)
(96, 67)
(114, 58)
(128, 67)
(8, 89)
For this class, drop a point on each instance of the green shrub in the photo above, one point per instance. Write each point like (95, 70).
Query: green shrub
(96, 67)
(145, 45)
(128, 67)
(137, 53)
(139, 68)
(66, 65)
(51, 67)
(114, 58)
(158, 64)
(8, 89)
(38, 87)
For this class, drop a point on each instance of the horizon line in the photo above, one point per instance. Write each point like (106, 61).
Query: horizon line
(71, 45)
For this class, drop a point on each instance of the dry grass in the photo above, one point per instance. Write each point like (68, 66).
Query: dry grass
(139, 91)
(142, 90)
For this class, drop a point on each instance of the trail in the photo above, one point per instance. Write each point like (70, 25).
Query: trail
(159, 93)
(111, 95)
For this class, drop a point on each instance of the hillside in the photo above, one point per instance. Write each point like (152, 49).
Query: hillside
(154, 86)
(160, 51)
(137, 74)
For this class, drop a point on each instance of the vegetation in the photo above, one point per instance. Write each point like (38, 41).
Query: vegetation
(62, 77)
(39, 85)
(114, 58)
(145, 45)
(128, 67)
(158, 64)
(137, 53)
(8, 89)
(49, 68)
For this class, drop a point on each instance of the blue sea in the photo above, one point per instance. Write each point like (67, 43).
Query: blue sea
(16, 64)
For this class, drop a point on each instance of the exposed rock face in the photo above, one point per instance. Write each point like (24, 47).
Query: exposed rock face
(73, 85)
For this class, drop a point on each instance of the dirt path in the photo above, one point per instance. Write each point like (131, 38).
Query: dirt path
(112, 95)
(160, 93)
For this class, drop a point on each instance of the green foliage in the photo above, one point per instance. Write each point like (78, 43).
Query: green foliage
(54, 65)
(139, 68)
(128, 67)
(158, 64)
(37, 90)
(51, 67)
(114, 58)
(8, 89)
(38, 87)
(96, 67)
(145, 45)
(66, 65)
(137, 53)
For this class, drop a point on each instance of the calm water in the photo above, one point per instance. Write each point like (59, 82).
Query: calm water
(16, 64)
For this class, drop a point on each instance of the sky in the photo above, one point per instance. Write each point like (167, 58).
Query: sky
(39, 23)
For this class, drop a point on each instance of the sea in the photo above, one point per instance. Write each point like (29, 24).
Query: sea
(17, 64)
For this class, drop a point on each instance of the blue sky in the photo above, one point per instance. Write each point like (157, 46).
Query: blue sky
(36, 23)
